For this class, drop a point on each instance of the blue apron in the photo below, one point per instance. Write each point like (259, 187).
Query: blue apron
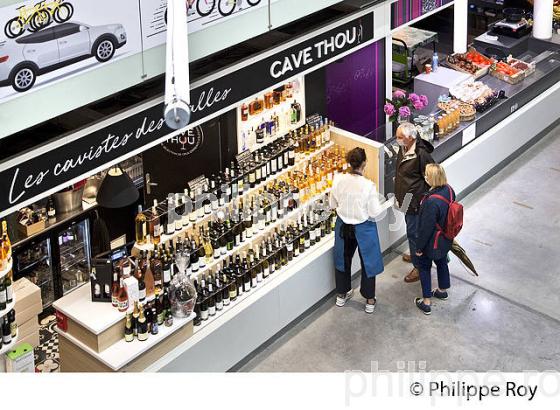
(368, 244)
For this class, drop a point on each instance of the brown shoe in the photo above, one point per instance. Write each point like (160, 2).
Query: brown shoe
(413, 276)
(407, 258)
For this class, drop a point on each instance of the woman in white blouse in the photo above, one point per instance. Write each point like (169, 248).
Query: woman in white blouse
(356, 202)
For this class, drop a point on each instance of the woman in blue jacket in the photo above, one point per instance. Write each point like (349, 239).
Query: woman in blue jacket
(432, 245)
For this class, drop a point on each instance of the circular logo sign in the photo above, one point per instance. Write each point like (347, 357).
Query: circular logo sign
(186, 143)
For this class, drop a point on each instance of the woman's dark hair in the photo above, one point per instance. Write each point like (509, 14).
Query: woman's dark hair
(356, 157)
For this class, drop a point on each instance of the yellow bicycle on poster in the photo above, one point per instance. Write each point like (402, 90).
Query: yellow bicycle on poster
(34, 18)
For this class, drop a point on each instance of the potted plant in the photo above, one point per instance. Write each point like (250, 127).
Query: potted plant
(401, 106)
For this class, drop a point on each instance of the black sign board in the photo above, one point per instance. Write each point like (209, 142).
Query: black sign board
(55, 168)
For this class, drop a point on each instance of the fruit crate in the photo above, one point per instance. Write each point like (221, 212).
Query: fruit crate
(527, 68)
(510, 79)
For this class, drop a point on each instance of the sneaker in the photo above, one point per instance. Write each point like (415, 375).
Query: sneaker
(440, 295)
(369, 307)
(341, 300)
(426, 309)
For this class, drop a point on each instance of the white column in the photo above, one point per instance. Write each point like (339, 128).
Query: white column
(460, 19)
(542, 19)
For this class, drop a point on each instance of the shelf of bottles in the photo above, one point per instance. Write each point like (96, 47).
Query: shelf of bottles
(8, 336)
(233, 245)
(271, 115)
(7, 296)
(289, 156)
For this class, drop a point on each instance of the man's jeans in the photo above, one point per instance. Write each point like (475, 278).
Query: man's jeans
(411, 234)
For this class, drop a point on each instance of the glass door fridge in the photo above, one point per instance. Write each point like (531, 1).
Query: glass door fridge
(35, 262)
(74, 254)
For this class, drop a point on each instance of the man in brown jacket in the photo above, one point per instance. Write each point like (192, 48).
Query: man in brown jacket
(414, 154)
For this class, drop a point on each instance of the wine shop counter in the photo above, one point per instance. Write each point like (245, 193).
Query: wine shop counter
(93, 336)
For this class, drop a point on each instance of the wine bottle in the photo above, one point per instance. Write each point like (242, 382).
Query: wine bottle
(206, 203)
(178, 213)
(160, 313)
(128, 330)
(204, 308)
(170, 214)
(9, 288)
(218, 295)
(6, 331)
(135, 316)
(122, 297)
(115, 287)
(155, 226)
(13, 323)
(142, 326)
(141, 226)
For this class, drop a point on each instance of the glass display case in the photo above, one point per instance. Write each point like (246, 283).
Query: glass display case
(36, 264)
(75, 258)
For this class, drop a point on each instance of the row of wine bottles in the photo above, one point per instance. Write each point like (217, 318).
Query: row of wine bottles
(8, 328)
(243, 272)
(5, 247)
(150, 226)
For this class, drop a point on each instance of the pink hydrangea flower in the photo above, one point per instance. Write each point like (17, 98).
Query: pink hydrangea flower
(404, 112)
(424, 100)
(399, 94)
(389, 109)
(418, 105)
(413, 97)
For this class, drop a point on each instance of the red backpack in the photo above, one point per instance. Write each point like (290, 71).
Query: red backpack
(454, 221)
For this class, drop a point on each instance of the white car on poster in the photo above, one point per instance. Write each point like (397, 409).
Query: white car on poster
(23, 59)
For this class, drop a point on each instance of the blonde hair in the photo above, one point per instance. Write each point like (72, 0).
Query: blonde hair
(435, 175)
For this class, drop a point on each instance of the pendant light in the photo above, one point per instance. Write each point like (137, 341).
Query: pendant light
(177, 111)
(117, 190)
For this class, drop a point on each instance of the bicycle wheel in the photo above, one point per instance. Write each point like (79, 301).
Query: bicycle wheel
(253, 2)
(226, 7)
(40, 19)
(14, 28)
(63, 13)
(205, 7)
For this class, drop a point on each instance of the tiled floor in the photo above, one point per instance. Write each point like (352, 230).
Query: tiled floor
(46, 354)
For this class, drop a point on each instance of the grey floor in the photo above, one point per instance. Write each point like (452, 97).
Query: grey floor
(507, 319)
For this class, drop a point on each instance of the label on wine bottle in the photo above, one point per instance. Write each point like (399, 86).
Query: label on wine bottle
(212, 310)
(194, 266)
(259, 277)
(290, 246)
(220, 305)
(208, 209)
(204, 314)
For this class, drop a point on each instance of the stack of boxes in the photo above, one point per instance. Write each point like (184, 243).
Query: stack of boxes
(28, 306)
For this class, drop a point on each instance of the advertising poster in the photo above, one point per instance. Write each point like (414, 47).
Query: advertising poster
(42, 43)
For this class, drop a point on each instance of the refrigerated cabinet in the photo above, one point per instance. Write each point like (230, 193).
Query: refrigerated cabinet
(57, 260)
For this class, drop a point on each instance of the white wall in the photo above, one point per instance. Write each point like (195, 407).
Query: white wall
(62, 97)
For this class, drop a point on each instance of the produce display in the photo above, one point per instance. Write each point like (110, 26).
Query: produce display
(471, 62)
(477, 58)
(507, 73)
(527, 68)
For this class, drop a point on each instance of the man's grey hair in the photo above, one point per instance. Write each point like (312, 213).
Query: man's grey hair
(408, 130)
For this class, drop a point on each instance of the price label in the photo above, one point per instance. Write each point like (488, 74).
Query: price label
(469, 134)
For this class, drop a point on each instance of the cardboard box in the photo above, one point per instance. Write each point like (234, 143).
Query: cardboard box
(27, 295)
(32, 339)
(28, 328)
(24, 316)
(21, 359)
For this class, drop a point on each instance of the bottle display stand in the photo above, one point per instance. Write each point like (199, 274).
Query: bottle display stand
(239, 328)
